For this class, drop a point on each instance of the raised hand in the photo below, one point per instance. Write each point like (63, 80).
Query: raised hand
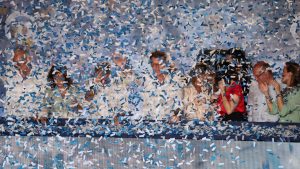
(276, 86)
(264, 88)
(89, 95)
(221, 86)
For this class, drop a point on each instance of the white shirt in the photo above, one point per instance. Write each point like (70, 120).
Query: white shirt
(23, 96)
(160, 99)
(257, 106)
(192, 106)
(122, 89)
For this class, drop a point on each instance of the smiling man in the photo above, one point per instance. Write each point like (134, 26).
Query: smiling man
(258, 111)
(162, 90)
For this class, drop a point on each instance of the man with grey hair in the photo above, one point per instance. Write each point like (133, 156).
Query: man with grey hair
(258, 108)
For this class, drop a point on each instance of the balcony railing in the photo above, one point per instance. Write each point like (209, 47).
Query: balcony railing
(245, 131)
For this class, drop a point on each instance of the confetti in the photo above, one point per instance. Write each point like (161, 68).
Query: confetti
(129, 97)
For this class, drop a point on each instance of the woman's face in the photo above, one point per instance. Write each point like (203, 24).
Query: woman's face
(197, 83)
(221, 84)
(229, 58)
(286, 76)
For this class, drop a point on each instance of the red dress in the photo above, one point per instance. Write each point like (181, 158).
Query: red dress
(236, 89)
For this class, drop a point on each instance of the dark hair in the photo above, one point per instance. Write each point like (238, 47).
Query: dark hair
(239, 66)
(201, 68)
(52, 72)
(295, 69)
(237, 54)
(229, 74)
(158, 54)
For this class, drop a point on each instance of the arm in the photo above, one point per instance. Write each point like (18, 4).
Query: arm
(292, 105)
(231, 104)
(274, 107)
(76, 99)
(263, 87)
(278, 94)
(269, 103)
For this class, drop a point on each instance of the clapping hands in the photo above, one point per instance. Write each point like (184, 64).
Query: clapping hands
(264, 88)
(276, 86)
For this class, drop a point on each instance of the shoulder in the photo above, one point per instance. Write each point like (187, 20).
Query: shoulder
(296, 93)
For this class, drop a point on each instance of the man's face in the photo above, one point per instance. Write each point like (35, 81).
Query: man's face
(22, 63)
(262, 75)
(119, 60)
(157, 64)
(156, 60)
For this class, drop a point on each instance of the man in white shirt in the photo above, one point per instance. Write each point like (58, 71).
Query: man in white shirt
(24, 85)
(162, 92)
(257, 106)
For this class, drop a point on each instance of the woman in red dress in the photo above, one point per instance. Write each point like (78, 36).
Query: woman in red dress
(231, 99)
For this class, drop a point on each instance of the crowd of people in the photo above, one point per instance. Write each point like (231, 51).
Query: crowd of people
(219, 87)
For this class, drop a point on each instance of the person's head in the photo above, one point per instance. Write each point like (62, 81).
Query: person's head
(22, 62)
(291, 74)
(202, 77)
(160, 63)
(235, 55)
(102, 73)
(19, 30)
(158, 57)
(58, 76)
(262, 72)
(227, 76)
